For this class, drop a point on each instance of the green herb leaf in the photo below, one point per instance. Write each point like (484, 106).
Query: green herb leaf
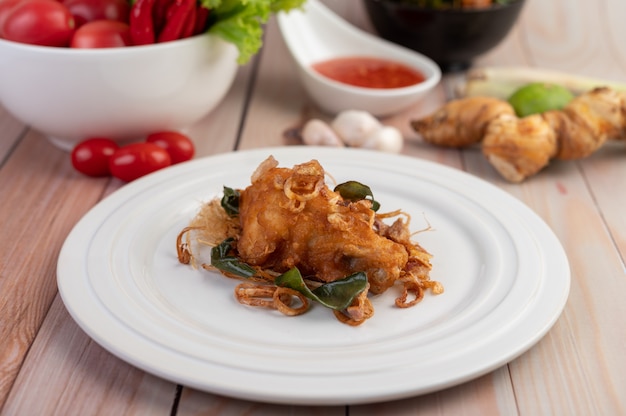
(356, 191)
(220, 259)
(335, 295)
(230, 201)
(241, 22)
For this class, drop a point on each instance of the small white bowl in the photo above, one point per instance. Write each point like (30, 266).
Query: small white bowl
(121, 93)
(317, 34)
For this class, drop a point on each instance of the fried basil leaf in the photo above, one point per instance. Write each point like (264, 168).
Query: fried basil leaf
(220, 259)
(335, 295)
(356, 191)
(230, 201)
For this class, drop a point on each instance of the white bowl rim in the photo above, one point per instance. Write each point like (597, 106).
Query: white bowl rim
(418, 61)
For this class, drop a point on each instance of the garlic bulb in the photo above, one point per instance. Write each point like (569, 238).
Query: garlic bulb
(318, 133)
(353, 126)
(386, 139)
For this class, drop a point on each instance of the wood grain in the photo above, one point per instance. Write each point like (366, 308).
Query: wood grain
(81, 378)
(11, 130)
(41, 198)
(40, 177)
(48, 365)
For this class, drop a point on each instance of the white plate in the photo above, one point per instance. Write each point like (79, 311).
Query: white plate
(505, 274)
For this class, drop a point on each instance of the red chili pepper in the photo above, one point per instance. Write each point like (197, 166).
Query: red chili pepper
(159, 14)
(141, 25)
(189, 25)
(202, 17)
(173, 29)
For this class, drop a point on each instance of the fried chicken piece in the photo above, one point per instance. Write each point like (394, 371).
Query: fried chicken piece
(290, 218)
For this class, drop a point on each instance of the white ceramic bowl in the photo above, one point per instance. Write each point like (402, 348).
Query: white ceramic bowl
(120, 93)
(316, 34)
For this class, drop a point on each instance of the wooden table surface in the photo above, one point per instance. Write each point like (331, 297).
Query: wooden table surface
(50, 366)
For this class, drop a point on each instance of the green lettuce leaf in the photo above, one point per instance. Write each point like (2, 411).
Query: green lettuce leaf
(241, 21)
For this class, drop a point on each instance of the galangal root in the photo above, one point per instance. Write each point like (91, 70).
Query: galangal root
(520, 147)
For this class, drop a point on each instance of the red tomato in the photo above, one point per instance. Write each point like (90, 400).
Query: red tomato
(138, 159)
(179, 146)
(91, 156)
(5, 8)
(39, 22)
(102, 34)
(89, 10)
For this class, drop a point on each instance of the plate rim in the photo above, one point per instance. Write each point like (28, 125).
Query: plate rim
(120, 195)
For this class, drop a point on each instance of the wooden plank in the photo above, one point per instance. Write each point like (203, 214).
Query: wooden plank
(270, 114)
(573, 39)
(278, 102)
(488, 395)
(571, 382)
(193, 402)
(53, 191)
(42, 197)
(581, 360)
(67, 373)
(218, 132)
(605, 172)
(12, 130)
(578, 368)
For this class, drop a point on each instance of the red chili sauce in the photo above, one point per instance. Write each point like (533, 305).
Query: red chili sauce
(369, 72)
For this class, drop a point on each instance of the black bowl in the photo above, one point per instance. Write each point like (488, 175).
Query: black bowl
(451, 37)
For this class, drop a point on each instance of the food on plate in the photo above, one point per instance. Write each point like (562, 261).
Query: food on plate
(520, 147)
(295, 240)
(354, 128)
(55, 23)
(539, 97)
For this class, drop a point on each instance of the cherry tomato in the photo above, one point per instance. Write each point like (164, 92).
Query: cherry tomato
(91, 156)
(5, 8)
(179, 146)
(89, 10)
(102, 34)
(138, 159)
(39, 22)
